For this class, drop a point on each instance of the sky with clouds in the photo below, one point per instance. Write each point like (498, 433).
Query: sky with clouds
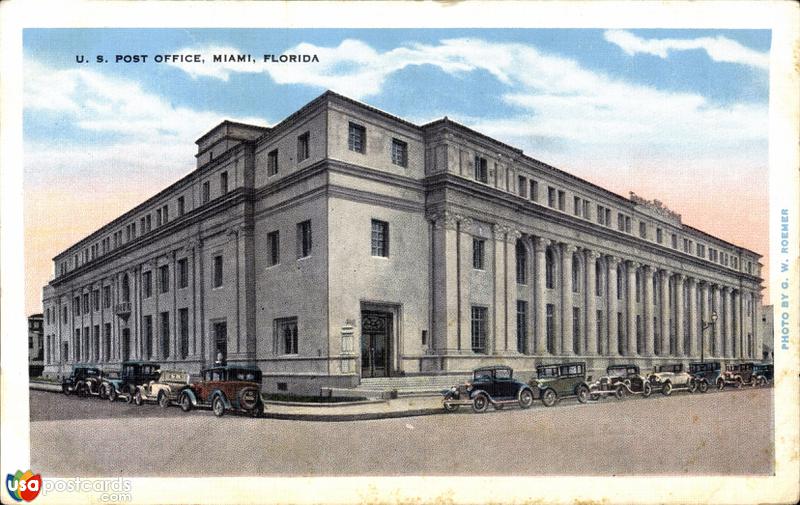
(676, 115)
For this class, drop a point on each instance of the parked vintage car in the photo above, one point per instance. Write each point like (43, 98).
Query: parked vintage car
(619, 381)
(704, 374)
(163, 390)
(132, 374)
(83, 381)
(493, 385)
(671, 377)
(738, 374)
(763, 373)
(223, 388)
(554, 382)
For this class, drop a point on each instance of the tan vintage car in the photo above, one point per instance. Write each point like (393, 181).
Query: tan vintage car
(164, 390)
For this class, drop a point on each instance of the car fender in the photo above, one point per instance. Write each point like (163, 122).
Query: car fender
(525, 388)
(216, 393)
(476, 392)
(192, 397)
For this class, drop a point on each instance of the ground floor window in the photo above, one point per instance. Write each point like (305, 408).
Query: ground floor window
(522, 325)
(286, 335)
(165, 334)
(148, 337)
(220, 341)
(183, 318)
(550, 328)
(479, 329)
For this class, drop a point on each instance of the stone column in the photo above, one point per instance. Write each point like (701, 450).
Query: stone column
(679, 315)
(758, 338)
(727, 328)
(446, 270)
(665, 312)
(630, 333)
(564, 345)
(465, 313)
(591, 304)
(717, 306)
(649, 310)
(693, 320)
(737, 324)
(611, 298)
(705, 317)
(540, 335)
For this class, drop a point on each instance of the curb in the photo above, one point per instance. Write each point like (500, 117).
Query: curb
(40, 386)
(367, 416)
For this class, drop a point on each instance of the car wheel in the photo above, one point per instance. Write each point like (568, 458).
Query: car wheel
(101, 392)
(137, 398)
(582, 393)
(549, 398)
(739, 383)
(163, 400)
(647, 390)
(594, 397)
(703, 386)
(525, 399)
(720, 384)
(65, 389)
(620, 392)
(449, 407)
(186, 403)
(692, 386)
(258, 410)
(480, 403)
(218, 406)
(112, 394)
(753, 382)
(666, 389)
(763, 381)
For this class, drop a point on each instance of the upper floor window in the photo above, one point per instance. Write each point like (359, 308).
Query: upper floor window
(302, 147)
(481, 169)
(550, 269)
(223, 183)
(380, 238)
(165, 211)
(303, 239)
(399, 153)
(561, 200)
(643, 229)
(478, 246)
(522, 186)
(701, 250)
(522, 263)
(534, 190)
(357, 138)
(659, 235)
(158, 217)
(206, 192)
(577, 206)
(272, 162)
(148, 221)
(147, 284)
(620, 222)
(183, 273)
(181, 206)
(551, 196)
(273, 248)
(674, 241)
(218, 273)
(163, 272)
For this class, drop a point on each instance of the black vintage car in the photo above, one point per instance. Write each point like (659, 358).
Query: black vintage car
(493, 385)
(619, 381)
(738, 375)
(554, 382)
(705, 374)
(131, 375)
(83, 381)
(763, 373)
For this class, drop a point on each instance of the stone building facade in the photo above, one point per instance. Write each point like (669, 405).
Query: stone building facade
(345, 243)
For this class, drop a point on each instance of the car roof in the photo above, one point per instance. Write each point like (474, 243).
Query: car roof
(565, 364)
(233, 367)
(492, 367)
(141, 363)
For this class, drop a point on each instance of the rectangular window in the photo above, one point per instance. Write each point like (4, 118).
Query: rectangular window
(206, 192)
(163, 272)
(522, 186)
(107, 342)
(620, 333)
(164, 335)
(701, 250)
(601, 215)
(399, 153)
(181, 206)
(479, 329)
(659, 235)
(272, 163)
(183, 318)
(286, 335)
(686, 244)
(302, 147)
(674, 241)
(478, 246)
(522, 325)
(551, 197)
(577, 206)
(550, 329)
(223, 183)
(96, 299)
(133, 234)
(481, 169)
(576, 329)
(380, 238)
(165, 211)
(147, 283)
(587, 209)
(643, 230)
(158, 217)
(149, 222)
(96, 343)
(148, 337)
(218, 271)
(357, 138)
(64, 314)
(303, 239)
(141, 227)
(620, 222)
(183, 273)
(273, 248)
(534, 191)
(561, 200)
(86, 303)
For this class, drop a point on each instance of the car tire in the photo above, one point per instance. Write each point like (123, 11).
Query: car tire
(480, 403)
(582, 392)
(258, 410)
(101, 392)
(692, 386)
(666, 389)
(449, 407)
(163, 400)
(218, 406)
(619, 393)
(703, 386)
(647, 389)
(739, 383)
(594, 397)
(137, 399)
(763, 382)
(720, 384)
(186, 403)
(549, 397)
(65, 389)
(525, 399)
(112, 394)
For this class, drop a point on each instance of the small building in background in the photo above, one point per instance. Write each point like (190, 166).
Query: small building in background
(35, 345)
(768, 332)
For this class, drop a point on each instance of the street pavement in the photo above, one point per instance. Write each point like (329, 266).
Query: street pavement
(728, 433)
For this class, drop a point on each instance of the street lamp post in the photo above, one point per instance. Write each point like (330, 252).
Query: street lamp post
(706, 325)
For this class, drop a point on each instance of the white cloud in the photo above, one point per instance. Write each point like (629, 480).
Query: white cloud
(721, 49)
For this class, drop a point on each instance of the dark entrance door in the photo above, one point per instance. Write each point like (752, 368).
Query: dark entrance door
(126, 344)
(376, 331)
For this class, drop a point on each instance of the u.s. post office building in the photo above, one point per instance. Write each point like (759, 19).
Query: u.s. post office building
(345, 243)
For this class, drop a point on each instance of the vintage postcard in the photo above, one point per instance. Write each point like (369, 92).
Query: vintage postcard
(512, 252)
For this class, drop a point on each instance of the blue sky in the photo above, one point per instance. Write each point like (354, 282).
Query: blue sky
(669, 114)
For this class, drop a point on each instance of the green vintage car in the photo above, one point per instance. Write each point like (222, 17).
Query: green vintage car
(553, 382)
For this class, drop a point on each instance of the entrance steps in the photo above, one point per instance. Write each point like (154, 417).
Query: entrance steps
(410, 385)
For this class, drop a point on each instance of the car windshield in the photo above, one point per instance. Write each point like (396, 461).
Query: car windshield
(246, 375)
(482, 375)
(571, 369)
(547, 371)
(617, 371)
(92, 371)
(502, 373)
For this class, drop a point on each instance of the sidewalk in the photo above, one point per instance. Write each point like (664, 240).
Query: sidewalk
(333, 412)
